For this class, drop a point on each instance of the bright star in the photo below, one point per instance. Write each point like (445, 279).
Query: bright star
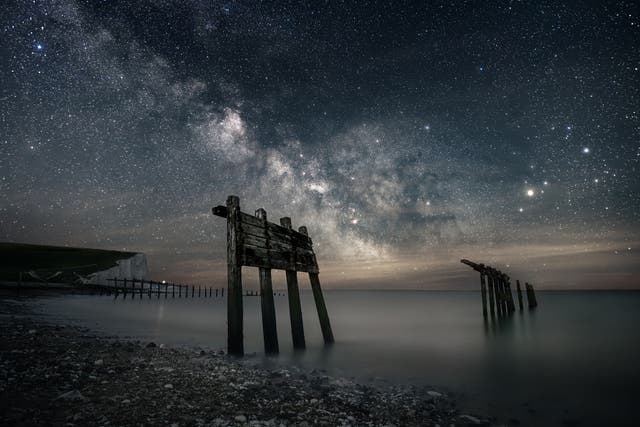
(39, 46)
(530, 193)
(586, 150)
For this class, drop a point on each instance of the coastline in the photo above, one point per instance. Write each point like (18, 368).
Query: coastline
(53, 373)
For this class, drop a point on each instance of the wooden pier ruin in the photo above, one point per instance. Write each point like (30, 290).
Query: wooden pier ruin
(499, 289)
(255, 242)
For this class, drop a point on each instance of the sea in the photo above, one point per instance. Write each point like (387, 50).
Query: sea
(572, 361)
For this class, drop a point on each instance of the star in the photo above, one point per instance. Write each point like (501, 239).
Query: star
(586, 150)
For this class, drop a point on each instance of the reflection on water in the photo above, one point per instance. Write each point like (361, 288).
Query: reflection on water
(572, 360)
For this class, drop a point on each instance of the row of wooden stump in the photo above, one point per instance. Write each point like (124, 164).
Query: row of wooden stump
(498, 285)
(148, 287)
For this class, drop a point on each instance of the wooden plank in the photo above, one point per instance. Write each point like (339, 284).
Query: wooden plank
(492, 309)
(269, 329)
(235, 344)
(295, 308)
(519, 294)
(321, 307)
(483, 291)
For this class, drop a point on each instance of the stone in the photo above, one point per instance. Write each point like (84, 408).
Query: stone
(168, 386)
(469, 419)
(99, 362)
(241, 418)
(151, 345)
(73, 395)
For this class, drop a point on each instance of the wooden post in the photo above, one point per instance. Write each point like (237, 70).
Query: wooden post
(519, 294)
(531, 296)
(19, 282)
(483, 290)
(503, 296)
(216, 292)
(491, 295)
(512, 306)
(295, 308)
(321, 307)
(179, 291)
(235, 343)
(269, 330)
(199, 291)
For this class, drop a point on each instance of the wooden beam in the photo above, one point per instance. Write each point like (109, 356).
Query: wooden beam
(269, 329)
(295, 308)
(321, 307)
(519, 289)
(235, 344)
(483, 291)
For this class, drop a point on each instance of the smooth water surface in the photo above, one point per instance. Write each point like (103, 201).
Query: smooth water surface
(575, 360)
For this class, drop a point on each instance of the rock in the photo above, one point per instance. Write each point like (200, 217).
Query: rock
(32, 331)
(151, 345)
(469, 419)
(434, 393)
(168, 386)
(73, 395)
(126, 401)
(98, 362)
(241, 418)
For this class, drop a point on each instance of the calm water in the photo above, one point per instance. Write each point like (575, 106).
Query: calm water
(575, 360)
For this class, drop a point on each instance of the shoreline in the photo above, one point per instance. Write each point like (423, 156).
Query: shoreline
(52, 373)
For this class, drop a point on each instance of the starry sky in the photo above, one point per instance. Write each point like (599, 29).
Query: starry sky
(405, 135)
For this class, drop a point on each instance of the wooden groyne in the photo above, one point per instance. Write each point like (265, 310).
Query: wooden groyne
(255, 242)
(501, 302)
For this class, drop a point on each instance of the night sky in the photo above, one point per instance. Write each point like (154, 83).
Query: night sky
(404, 135)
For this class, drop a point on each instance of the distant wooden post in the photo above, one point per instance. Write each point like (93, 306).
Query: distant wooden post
(531, 296)
(483, 290)
(321, 307)
(19, 282)
(519, 294)
(269, 329)
(505, 294)
(235, 343)
(295, 308)
(507, 285)
(491, 295)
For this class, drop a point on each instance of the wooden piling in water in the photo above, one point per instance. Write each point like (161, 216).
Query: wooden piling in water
(507, 285)
(235, 343)
(295, 308)
(491, 295)
(531, 296)
(483, 290)
(267, 305)
(318, 297)
(519, 294)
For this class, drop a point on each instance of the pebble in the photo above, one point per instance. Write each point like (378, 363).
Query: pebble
(72, 395)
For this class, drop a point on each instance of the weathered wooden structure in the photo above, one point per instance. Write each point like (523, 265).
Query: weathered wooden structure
(255, 242)
(499, 286)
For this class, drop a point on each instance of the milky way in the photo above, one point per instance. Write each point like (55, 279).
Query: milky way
(403, 135)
